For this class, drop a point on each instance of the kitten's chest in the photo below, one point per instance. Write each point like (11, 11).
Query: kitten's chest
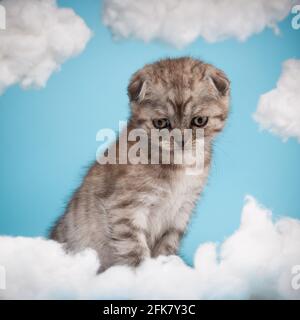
(174, 202)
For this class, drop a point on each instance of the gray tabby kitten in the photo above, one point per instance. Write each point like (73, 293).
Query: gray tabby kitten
(128, 212)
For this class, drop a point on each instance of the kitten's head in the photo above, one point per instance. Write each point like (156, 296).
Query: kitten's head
(182, 93)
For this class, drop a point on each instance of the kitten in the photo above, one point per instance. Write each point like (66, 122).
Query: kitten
(128, 212)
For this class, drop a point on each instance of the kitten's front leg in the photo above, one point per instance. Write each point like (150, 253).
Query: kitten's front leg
(168, 243)
(128, 243)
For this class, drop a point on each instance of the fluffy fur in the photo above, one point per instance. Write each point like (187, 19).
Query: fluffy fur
(128, 212)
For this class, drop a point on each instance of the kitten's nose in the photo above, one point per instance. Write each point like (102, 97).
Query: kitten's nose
(180, 143)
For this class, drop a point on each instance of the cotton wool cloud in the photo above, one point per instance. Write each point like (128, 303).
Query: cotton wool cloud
(181, 22)
(38, 38)
(256, 261)
(279, 109)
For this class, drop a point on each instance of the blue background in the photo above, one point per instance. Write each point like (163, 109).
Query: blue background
(48, 136)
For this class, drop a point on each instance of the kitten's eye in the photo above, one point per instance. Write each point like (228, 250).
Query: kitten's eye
(199, 121)
(161, 123)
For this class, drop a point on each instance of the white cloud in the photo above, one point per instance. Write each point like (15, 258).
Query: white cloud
(180, 22)
(279, 109)
(38, 38)
(255, 262)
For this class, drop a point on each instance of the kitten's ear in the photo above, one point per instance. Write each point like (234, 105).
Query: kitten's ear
(137, 88)
(219, 80)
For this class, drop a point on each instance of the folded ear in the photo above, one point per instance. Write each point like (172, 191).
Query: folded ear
(219, 80)
(137, 88)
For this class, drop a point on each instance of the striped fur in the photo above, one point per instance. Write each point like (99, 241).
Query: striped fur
(130, 212)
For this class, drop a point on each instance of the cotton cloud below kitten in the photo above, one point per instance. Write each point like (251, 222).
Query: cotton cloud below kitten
(256, 261)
